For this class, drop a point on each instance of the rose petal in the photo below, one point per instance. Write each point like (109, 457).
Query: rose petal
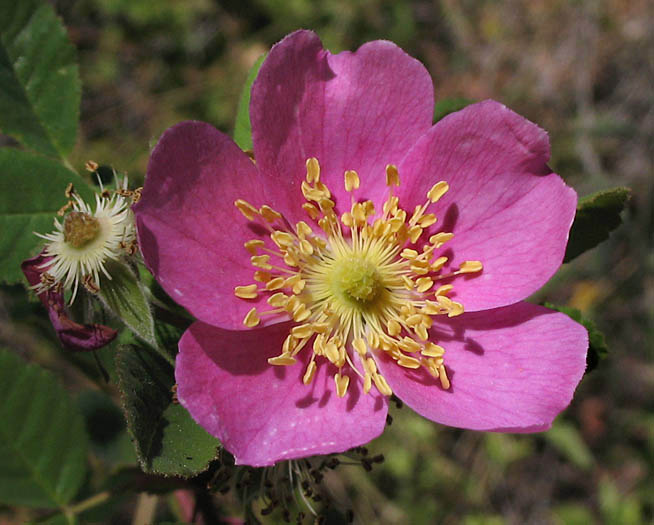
(72, 335)
(190, 233)
(505, 207)
(512, 369)
(263, 413)
(357, 111)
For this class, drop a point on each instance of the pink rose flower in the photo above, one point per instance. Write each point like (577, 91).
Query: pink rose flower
(336, 268)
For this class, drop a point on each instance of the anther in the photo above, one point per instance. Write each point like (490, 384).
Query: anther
(275, 284)
(442, 376)
(441, 238)
(261, 276)
(313, 170)
(382, 385)
(282, 360)
(310, 372)
(249, 211)
(414, 233)
(437, 191)
(427, 220)
(261, 261)
(443, 290)
(251, 246)
(277, 300)
(392, 175)
(470, 267)
(432, 350)
(311, 210)
(424, 284)
(303, 229)
(393, 327)
(438, 264)
(408, 253)
(281, 239)
(408, 362)
(360, 346)
(326, 205)
(342, 382)
(246, 292)
(252, 318)
(352, 181)
(269, 214)
(302, 331)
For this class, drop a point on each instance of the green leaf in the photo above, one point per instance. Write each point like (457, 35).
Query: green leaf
(31, 191)
(242, 127)
(106, 427)
(597, 216)
(567, 440)
(597, 349)
(39, 80)
(167, 439)
(445, 106)
(125, 297)
(43, 442)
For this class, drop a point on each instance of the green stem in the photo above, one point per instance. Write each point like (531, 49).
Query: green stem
(93, 501)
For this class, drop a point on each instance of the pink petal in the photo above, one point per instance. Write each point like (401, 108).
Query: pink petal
(190, 233)
(512, 369)
(263, 413)
(358, 111)
(73, 336)
(504, 205)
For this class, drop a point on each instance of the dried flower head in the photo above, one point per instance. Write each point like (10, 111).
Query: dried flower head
(82, 243)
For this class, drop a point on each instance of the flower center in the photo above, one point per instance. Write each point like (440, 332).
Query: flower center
(356, 280)
(80, 228)
(358, 289)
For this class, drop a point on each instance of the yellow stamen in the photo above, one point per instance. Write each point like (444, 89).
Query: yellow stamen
(351, 180)
(470, 267)
(354, 286)
(442, 375)
(342, 382)
(249, 211)
(392, 175)
(433, 350)
(282, 360)
(382, 385)
(252, 318)
(437, 191)
(261, 276)
(261, 261)
(269, 214)
(246, 292)
(313, 170)
(251, 246)
(309, 373)
(311, 210)
(424, 284)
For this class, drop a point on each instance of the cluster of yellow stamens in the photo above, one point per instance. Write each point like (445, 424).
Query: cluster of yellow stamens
(358, 287)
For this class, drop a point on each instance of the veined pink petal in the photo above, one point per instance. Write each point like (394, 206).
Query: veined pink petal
(512, 369)
(359, 111)
(190, 233)
(264, 413)
(504, 206)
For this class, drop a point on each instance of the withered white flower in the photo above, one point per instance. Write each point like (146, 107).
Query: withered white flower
(86, 239)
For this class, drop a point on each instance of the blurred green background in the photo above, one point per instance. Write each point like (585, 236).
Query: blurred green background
(583, 70)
